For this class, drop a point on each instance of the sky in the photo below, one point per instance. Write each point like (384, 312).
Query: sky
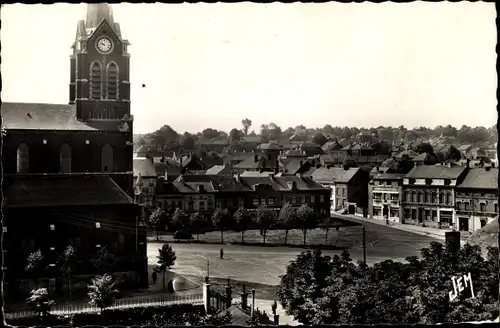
(211, 65)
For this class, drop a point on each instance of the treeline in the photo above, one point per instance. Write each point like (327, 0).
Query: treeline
(264, 219)
(168, 137)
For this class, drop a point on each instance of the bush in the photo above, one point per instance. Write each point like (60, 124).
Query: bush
(183, 234)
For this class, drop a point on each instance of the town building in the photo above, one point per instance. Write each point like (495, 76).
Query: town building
(477, 199)
(68, 169)
(429, 195)
(385, 192)
(204, 193)
(349, 188)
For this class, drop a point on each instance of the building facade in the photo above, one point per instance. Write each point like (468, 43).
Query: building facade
(477, 199)
(429, 195)
(205, 193)
(385, 192)
(69, 167)
(349, 188)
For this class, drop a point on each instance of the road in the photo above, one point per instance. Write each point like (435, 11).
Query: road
(264, 265)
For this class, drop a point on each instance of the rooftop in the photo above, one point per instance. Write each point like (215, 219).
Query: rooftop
(334, 174)
(34, 116)
(436, 172)
(481, 178)
(63, 191)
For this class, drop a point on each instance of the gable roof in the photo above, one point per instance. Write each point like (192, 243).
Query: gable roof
(256, 161)
(35, 116)
(219, 169)
(436, 172)
(481, 178)
(334, 174)
(63, 191)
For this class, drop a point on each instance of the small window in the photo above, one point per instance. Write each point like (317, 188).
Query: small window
(496, 208)
(271, 201)
(321, 198)
(52, 227)
(87, 142)
(97, 225)
(52, 248)
(23, 158)
(52, 265)
(256, 201)
(202, 205)
(294, 200)
(44, 141)
(313, 199)
(5, 228)
(428, 181)
(98, 246)
(263, 201)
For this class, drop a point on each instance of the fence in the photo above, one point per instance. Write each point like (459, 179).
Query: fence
(124, 303)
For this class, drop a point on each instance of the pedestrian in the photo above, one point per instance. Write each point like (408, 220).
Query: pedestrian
(221, 254)
(154, 276)
(386, 221)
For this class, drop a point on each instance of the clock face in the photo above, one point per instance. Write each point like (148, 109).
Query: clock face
(104, 45)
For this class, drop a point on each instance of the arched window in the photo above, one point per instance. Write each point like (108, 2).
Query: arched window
(96, 80)
(107, 158)
(112, 80)
(65, 158)
(23, 158)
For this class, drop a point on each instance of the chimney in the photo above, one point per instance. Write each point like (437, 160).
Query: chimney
(244, 299)
(468, 163)
(252, 310)
(301, 163)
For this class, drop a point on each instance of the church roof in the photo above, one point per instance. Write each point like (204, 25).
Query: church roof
(34, 116)
(41, 191)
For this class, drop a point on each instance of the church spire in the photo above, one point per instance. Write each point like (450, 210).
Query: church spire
(96, 12)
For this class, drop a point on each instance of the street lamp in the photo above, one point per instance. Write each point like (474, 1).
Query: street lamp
(208, 266)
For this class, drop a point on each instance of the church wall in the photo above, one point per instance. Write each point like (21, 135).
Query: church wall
(44, 158)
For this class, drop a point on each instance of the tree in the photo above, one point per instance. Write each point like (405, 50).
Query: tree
(453, 153)
(410, 292)
(197, 223)
(319, 139)
(302, 284)
(242, 221)
(222, 221)
(103, 260)
(67, 263)
(102, 291)
(327, 221)
(265, 218)
(186, 141)
(247, 123)
(155, 219)
(348, 163)
(36, 265)
(306, 219)
(210, 133)
(235, 135)
(166, 259)
(424, 147)
(287, 217)
(41, 302)
(181, 220)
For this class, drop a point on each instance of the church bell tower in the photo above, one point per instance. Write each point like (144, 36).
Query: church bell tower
(100, 64)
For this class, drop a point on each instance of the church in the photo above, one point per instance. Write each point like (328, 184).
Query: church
(68, 175)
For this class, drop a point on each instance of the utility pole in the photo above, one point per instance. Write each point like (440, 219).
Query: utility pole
(364, 244)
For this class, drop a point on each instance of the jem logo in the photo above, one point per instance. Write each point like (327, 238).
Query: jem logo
(459, 285)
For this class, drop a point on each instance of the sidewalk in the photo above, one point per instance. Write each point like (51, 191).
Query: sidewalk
(424, 231)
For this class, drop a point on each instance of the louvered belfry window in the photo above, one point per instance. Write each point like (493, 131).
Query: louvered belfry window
(96, 80)
(112, 81)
